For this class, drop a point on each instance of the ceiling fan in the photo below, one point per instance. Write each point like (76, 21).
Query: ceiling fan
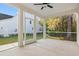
(44, 5)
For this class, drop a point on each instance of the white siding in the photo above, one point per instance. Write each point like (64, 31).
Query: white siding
(10, 25)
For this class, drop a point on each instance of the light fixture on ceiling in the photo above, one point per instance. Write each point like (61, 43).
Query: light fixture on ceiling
(44, 5)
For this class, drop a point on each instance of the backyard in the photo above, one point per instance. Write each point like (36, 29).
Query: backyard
(61, 28)
(14, 38)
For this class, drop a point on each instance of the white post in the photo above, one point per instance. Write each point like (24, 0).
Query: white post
(24, 25)
(20, 28)
(34, 29)
(76, 17)
(44, 29)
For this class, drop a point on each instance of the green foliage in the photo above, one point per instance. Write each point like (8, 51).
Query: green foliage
(41, 22)
(14, 38)
(56, 25)
(59, 24)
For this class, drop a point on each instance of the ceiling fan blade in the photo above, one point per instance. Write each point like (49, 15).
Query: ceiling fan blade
(42, 8)
(45, 3)
(39, 4)
(50, 6)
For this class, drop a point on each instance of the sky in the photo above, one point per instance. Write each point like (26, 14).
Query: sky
(6, 9)
(9, 10)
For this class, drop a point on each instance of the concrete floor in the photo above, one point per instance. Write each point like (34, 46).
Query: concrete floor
(8, 46)
(47, 47)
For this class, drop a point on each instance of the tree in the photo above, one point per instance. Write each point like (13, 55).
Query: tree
(69, 24)
(52, 23)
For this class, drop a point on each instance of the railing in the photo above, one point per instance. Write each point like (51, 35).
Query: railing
(62, 34)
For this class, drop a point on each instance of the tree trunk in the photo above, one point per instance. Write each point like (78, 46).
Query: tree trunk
(69, 23)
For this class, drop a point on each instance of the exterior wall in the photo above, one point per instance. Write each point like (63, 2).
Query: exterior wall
(29, 26)
(9, 26)
(39, 28)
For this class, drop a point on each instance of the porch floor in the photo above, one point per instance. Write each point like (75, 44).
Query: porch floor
(45, 47)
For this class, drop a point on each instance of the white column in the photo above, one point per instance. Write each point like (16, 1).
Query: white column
(44, 29)
(24, 27)
(20, 28)
(34, 29)
(76, 17)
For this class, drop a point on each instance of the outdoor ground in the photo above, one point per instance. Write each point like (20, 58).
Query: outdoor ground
(45, 47)
(14, 38)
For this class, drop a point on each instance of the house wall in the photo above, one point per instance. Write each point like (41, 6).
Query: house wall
(9, 26)
(29, 26)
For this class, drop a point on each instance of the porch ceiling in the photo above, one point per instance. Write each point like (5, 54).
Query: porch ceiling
(47, 12)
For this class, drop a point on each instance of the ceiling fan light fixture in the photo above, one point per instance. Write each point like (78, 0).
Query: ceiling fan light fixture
(44, 5)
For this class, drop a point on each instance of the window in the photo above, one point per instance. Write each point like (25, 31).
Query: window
(40, 29)
(30, 22)
(32, 28)
(1, 27)
(15, 30)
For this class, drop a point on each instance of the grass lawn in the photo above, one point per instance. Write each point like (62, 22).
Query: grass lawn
(52, 37)
(7, 40)
(39, 36)
(62, 37)
(14, 38)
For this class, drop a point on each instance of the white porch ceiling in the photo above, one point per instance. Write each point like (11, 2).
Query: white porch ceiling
(47, 12)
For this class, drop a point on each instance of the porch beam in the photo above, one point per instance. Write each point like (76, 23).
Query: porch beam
(20, 28)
